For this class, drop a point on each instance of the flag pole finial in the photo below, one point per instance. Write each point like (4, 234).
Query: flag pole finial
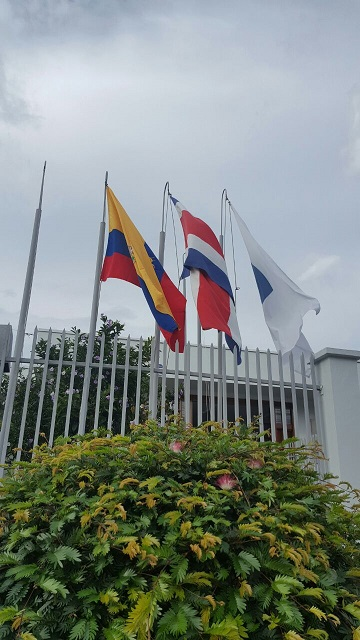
(166, 192)
(224, 199)
(42, 187)
(104, 205)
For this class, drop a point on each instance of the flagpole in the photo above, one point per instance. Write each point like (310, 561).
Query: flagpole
(19, 343)
(93, 319)
(153, 407)
(220, 338)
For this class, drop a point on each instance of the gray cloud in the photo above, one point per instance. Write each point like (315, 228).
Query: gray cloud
(66, 20)
(352, 152)
(320, 267)
(13, 107)
(251, 96)
(8, 293)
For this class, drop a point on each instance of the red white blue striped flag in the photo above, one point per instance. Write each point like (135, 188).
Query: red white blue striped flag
(212, 292)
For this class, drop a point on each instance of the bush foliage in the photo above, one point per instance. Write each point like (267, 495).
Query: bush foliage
(177, 533)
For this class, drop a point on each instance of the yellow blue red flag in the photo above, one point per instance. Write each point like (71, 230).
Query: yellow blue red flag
(129, 258)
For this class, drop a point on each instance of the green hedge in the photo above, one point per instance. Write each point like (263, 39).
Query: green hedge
(177, 533)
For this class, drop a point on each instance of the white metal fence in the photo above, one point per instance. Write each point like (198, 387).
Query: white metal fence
(127, 385)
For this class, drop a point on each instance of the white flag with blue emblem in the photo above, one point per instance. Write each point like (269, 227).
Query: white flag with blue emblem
(284, 303)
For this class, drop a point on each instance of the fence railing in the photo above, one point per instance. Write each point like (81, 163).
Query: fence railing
(127, 386)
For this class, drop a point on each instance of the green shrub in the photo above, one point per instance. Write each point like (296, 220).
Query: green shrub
(177, 533)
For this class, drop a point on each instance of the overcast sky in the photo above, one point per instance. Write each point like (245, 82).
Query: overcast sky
(259, 97)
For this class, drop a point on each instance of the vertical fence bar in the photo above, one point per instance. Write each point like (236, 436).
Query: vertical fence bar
(220, 378)
(212, 384)
(259, 393)
(271, 397)
(112, 385)
(163, 387)
(71, 386)
(125, 388)
(99, 384)
(199, 381)
(42, 389)
(247, 387)
(176, 380)
(306, 399)
(282, 397)
(155, 379)
(236, 388)
(2, 359)
(26, 397)
(151, 381)
(57, 387)
(293, 394)
(318, 423)
(224, 387)
(138, 383)
(320, 433)
(187, 382)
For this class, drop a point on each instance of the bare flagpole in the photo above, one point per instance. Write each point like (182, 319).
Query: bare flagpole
(19, 343)
(220, 341)
(93, 320)
(155, 363)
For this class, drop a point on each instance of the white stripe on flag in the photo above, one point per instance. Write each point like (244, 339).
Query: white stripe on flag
(194, 242)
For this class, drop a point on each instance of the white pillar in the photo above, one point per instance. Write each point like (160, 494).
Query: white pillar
(337, 373)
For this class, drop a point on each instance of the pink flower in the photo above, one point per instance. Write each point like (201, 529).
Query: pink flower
(176, 446)
(226, 482)
(255, 463)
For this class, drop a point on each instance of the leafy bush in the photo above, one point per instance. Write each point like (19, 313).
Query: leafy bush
(177, 533)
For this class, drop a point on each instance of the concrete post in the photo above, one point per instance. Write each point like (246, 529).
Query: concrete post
(337, 372)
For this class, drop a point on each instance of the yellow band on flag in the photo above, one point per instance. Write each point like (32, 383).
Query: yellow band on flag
(119, 219)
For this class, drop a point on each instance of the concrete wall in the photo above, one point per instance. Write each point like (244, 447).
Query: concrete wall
(338, 375)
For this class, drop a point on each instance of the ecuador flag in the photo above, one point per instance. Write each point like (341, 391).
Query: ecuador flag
(129, 258)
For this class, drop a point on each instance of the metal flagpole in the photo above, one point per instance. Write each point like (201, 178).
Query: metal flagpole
(154, 373)
(220, 341)
(19, 343)
(93, 320)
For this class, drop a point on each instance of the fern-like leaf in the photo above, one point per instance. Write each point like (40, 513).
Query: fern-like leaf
(53, 586)
(84, 630)
(23, 571)
(178, 571)
(62, 553)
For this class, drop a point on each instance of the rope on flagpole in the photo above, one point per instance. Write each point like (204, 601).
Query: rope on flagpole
(175, 241)
(236, 287)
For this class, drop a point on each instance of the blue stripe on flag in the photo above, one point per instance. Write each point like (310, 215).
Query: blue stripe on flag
(117, 244)
(197, 260)
(233, 346)
(164, 320)
(159, 270)
(263, 284)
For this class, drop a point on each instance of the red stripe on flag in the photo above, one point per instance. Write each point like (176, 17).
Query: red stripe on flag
(119, 266)
(177, 304)
(213, 305)
(196, 227)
